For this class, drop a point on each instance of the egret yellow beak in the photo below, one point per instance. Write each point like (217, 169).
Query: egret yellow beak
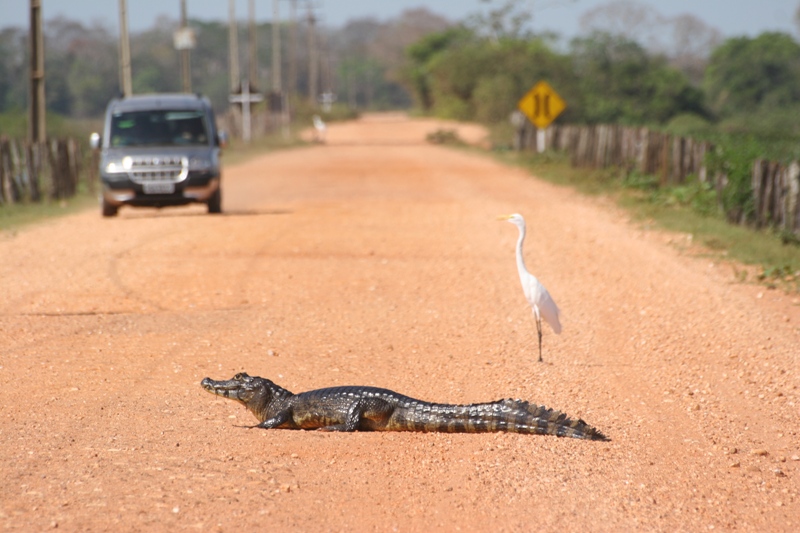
(503, 217)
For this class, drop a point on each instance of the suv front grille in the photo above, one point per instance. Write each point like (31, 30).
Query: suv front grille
(147, 169)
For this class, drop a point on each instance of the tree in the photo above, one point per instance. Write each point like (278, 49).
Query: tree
(461, 74)
(747, 74)
(692, 43)
(507, 21)
(371, 56)
(622, 83)
(13, 63)
(154, 60)
(629, 20)
(420, 57)
(684, 39)
(83, 63)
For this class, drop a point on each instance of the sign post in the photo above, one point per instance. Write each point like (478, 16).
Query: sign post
(246, 99)
(541, 105)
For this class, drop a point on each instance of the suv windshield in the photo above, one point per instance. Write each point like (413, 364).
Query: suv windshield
(159, 128)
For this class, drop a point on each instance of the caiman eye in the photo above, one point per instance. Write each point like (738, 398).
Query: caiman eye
(238, 377)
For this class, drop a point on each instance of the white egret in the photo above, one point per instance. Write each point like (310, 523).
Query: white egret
(320, 129)
(540, 300)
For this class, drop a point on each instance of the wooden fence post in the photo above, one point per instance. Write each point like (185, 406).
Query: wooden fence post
(94, 164)
(15, 172)
(34, 163)
(643, 147)
(74, 161)
(662, 162)
(5, 173)
(771, 192)
(792, 219)
(757, 186)
(11, 188)
(699, 158)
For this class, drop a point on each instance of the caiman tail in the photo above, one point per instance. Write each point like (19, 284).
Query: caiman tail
(510, 416)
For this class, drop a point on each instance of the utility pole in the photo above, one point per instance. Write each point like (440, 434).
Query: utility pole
(276, 48)
(233, 64)
(282, 111)
(253, 59)
(36, 105)
(233, 47)
(186, 69)
(292, 88)
(125, 84)
(313, 61)
(328, 96)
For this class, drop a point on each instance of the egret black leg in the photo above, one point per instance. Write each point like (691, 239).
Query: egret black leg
(539, 331)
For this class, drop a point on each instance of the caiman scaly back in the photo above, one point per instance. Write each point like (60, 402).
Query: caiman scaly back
(355, 408)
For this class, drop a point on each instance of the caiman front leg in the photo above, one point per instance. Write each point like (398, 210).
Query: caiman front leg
(274, 422)
(372, 410)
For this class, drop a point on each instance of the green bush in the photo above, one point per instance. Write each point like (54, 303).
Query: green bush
(694, 194)
(689, 125)
(643, 182)
(734, 157)
(494, 99)
(451, 107)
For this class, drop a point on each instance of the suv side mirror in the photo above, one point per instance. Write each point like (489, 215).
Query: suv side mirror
(94, 141)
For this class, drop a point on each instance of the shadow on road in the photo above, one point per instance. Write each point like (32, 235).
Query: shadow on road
(178, 213)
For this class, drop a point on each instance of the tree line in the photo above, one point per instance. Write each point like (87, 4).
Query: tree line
(694, 82)
(630, 66)
(359, 61)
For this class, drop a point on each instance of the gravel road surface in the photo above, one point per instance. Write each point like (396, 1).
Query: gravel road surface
(377, 259)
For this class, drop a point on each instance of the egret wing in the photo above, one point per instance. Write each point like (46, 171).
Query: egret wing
(537, 295)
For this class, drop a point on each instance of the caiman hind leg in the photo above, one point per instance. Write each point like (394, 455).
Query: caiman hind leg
(365, 414)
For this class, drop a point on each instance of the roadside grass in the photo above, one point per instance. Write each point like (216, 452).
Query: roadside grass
(15, 216)
(689, 209)
(238, 151)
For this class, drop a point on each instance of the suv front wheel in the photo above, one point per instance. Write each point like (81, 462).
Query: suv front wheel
(108, 209)
(215, 202)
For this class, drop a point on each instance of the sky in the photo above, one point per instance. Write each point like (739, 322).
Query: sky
(748, 17)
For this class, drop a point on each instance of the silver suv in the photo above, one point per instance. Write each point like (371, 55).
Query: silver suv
(159, 150)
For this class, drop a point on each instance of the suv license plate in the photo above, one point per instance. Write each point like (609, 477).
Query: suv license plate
(159, 188)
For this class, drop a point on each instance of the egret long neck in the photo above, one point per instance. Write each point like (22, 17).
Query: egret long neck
(521, 260)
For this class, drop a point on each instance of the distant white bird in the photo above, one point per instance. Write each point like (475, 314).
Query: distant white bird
(320, 127)
(540, 300)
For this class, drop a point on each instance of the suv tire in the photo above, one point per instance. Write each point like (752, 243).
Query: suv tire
(108, 209)
(215, 202)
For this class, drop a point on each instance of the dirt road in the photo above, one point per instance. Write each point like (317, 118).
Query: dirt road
(377, 259)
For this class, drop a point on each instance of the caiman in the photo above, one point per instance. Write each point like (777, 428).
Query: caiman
(355, 408)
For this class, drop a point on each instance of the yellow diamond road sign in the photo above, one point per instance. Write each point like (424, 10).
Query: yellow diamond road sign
(541, 104)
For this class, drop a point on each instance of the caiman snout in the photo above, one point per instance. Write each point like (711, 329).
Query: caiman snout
(241, 387)
(221, 388)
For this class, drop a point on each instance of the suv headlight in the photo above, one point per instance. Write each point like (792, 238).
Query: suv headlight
(119, 166)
